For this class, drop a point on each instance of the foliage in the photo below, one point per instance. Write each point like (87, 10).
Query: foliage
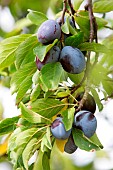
(42, 95)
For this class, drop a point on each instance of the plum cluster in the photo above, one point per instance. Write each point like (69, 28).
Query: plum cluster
(71, 59)
(83, 120)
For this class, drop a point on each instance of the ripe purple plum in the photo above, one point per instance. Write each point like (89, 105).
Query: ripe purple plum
(86, 121)
(48, 32)
(72, 60)
(58, 129)
(51, 57)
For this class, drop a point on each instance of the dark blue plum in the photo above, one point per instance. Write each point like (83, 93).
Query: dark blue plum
(72, 60)
(70, 146)
(51, 57)
(86, 121)
(89, 103)
(58, 129)
(49, 31)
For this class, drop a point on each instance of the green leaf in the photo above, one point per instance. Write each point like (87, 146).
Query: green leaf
(36, 18)
(11, 142)
(97, 99)
(30, 116)
(65, 26)
(11, 146)
(19, 144)
(96, 79)
(98, 48)
(38, 162)
(24, 53)
(46, 141)
(50, 75)
(24, 138)
(75, 40)
(47, 108)
(101, 22)
(29, 151)
(76, 78)
(83, 142)
(68, 116)
(96, 140)
(108, 85)
(35, 93)
(8, 48)
(41, 50)
(45, 162)
(23, 76)
(103, 6)
(83, 23)
(25, 85)
(77, 4)
(8, 125)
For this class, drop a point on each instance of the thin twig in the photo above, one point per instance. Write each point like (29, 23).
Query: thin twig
(62, 19)
(72, 11)
(64, 10)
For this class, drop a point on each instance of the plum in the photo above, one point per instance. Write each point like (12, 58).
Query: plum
(51, 57)
(70, 146)
(89, 103)
(48, 32)
(58, 129)
(85, 121)
(72, 60)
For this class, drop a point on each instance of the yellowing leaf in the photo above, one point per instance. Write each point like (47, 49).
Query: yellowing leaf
(3, 147)
(60, 144)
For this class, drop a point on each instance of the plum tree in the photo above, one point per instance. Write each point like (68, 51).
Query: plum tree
(70, 146)
(51, 57)
(89, 103)
(72, 60)
(86, 121)
(48, 31)
(58, 129)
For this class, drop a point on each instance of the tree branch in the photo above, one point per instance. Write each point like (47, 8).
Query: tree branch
(92, 36)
